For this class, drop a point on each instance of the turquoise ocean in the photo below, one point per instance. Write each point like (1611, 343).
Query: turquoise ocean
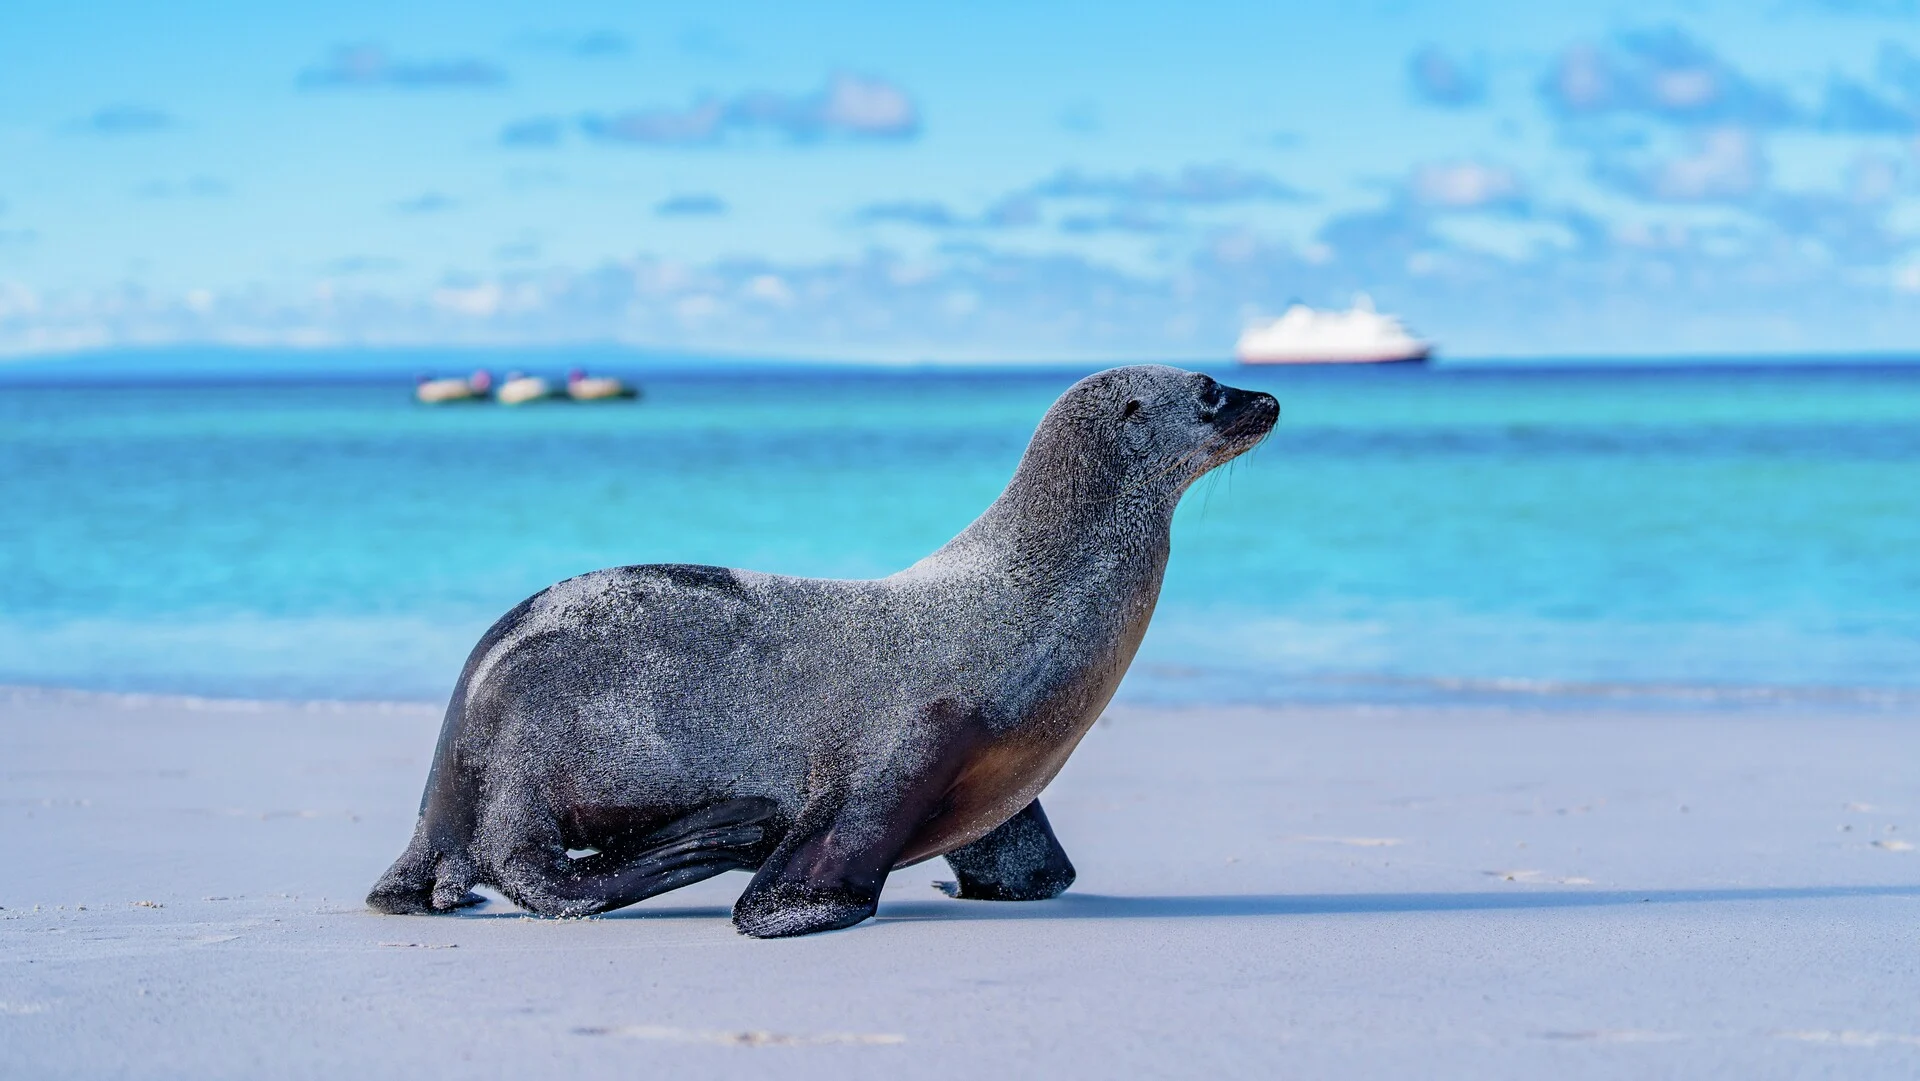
(1723, 534)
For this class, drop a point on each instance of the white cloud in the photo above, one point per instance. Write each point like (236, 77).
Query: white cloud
(480, 300)
(368, 65)
(17, 301)
(868, 106)
(1464, 185)
(1725, 164)
(1661, 74)
(849, 106)
(770, 288)
(698, 308)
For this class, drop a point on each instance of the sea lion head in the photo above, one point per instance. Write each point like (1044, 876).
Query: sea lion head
(1151, 429)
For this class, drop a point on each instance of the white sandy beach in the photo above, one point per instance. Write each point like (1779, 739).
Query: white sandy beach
(1336, 892)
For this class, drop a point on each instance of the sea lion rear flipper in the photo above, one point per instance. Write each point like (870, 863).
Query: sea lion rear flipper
(1020, 860)
(744, 811)
(724, 837)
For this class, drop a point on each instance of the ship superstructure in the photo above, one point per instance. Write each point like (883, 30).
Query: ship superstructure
(1307, 335)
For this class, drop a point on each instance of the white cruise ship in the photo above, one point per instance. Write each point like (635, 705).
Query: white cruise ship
(1307, 335)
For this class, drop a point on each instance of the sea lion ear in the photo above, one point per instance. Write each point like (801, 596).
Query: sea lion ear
(1133, 406)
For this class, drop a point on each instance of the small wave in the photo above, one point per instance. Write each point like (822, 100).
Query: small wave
(29, 694)
(1693, 692)
(1158, 682)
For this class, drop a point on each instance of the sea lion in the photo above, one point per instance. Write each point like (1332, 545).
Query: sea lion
(638, 729)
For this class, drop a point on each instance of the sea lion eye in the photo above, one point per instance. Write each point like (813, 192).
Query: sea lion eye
(1133, 406)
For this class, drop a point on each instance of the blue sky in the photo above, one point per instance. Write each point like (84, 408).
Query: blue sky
(970, 182)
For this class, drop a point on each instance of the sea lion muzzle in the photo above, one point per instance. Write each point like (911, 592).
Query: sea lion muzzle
(1246, 411)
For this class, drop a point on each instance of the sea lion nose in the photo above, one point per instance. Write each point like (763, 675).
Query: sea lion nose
(1240, 405)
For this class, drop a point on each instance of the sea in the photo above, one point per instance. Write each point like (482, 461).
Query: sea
(1489, 533)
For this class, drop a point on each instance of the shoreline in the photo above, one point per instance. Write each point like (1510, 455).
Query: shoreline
(1355, 891)
(1448, 694)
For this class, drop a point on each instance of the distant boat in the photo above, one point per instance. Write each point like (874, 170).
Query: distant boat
(520, 389)
(473, 388)
(582, 387)
(1307, 335)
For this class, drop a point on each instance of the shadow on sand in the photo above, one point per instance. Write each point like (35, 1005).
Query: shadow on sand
(1095, 906)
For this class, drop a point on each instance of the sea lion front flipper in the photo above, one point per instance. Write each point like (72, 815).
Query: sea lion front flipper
(828, 870)
(1020, 860)
(819, 879)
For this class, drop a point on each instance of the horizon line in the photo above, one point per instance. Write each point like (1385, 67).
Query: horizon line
(382, 361)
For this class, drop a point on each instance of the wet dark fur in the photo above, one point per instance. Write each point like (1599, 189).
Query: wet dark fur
(682, 721)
